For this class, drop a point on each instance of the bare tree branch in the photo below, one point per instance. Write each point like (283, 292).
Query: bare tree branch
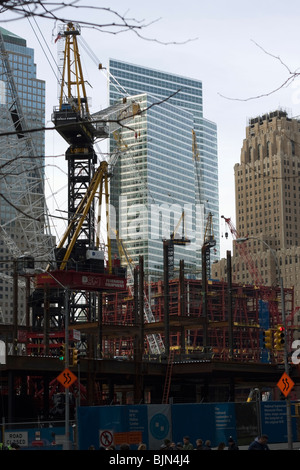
(57, 11)
(292, 76)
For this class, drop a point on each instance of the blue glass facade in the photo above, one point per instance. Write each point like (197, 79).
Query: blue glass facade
(171, 178)
(31, 95)
(22, 205)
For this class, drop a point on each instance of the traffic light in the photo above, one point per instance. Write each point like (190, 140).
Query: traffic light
(297, 409)
(75, 359)
(267, 339)
(62, 352)
(279, 338)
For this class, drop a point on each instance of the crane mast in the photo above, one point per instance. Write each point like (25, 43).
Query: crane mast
(79, 262)
(72, 120)
(72, 66)
(208, 243)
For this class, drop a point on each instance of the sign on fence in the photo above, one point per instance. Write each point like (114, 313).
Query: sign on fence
(18, 437)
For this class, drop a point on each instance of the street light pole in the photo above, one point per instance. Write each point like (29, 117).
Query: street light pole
(286, 370)
(285, 349)
(67, 396)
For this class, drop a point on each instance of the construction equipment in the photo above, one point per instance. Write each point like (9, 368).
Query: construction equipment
(243, 252)
(208, 243)
(168, 246)
(267, 296)
(174, 238)
(80, 129)
(72, 117)
(155, 341)
(100, 179)
(80, 262)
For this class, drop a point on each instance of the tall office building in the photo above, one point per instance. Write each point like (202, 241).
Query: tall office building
(22, 202)
(159, 168)
(268, 201)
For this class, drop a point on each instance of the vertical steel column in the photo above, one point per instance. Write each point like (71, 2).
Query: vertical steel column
(166, 297)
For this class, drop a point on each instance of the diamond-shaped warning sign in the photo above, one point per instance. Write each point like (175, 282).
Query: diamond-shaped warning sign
(285, 384)
(66, 378)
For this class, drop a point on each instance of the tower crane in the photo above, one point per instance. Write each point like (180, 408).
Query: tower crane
(79, 261)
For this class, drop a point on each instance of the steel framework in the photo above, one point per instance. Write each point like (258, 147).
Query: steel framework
(246, 311)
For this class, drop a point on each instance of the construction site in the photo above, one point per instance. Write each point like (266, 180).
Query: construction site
(125, 340)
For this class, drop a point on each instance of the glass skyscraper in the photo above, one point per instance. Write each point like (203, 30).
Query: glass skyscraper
(157, 168)
(22, 202)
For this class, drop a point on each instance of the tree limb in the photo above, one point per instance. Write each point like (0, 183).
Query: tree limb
(292, 76)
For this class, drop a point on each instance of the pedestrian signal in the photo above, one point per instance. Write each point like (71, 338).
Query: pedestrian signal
(279, 338)
(267, 339)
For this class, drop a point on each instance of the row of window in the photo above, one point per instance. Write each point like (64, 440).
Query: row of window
(116, 67)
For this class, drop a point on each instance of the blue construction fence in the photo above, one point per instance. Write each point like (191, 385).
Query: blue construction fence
(101, 426)
(33, 438)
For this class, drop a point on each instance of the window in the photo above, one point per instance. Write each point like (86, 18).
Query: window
(258, 151)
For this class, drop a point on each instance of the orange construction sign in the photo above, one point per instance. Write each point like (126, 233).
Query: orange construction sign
(285, 384)
(131, 437)
(66, 378)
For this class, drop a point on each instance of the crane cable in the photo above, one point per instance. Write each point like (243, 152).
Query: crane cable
(49, 50)
(53, 195)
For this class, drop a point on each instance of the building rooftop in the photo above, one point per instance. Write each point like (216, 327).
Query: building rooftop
(11, 37)
(267, 116)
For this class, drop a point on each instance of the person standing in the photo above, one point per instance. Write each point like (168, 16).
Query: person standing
(199, 444)
(187, 445)
(259, 443)
(207, 445)
(231, 444)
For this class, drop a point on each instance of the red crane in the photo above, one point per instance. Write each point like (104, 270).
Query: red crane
(243, 252)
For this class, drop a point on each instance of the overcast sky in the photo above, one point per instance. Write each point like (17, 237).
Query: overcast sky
(231, 46)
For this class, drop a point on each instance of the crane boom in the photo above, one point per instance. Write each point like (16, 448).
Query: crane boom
(243, 252)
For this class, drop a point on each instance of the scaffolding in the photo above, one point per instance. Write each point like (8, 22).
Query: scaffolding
(247, 309)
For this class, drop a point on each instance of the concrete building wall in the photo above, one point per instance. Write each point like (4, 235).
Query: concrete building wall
(267, 199)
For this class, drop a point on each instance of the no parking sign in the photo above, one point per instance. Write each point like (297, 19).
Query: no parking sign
(106, 438)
